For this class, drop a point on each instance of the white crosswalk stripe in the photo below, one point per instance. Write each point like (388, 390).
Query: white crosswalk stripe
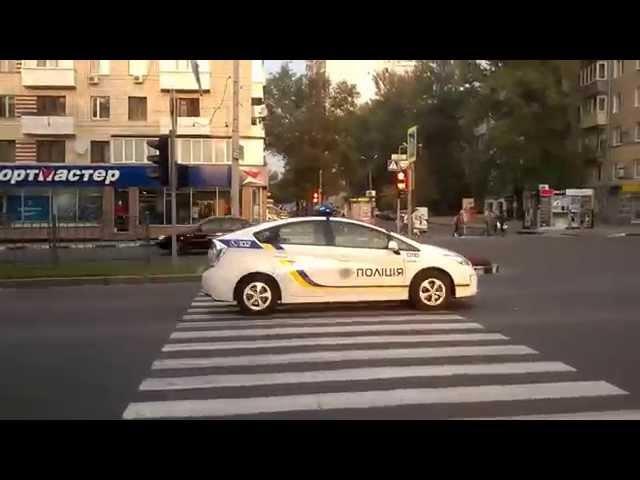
(310, 342)
(219, 363)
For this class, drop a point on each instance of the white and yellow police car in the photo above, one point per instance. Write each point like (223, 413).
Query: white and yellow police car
(326, 259)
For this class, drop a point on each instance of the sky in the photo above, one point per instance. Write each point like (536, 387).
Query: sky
(272, 66)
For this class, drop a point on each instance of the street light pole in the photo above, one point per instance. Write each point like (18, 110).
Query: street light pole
(320, 187)
(235, 142)
(173, 175)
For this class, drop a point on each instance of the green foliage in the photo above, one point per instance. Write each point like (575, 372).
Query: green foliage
(528, 107)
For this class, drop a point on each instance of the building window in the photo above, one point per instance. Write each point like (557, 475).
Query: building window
(618, 68)
(151, 207)
(188, 107)
(100, 152)
(637, 64)
(195, 150)
(50, 151)
(617, 136)
(636, 169)
(7, 106)
(138, 108)
(7, 151)
(47, 63)
(638, 132)
(130, 150)
(182, 65)
(51, 105)
(617, 103)
(8, 66)
(637, 97)
(100, 108)
(602, 70)
(602, 103)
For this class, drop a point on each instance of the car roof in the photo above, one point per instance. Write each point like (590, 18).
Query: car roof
(287, 221)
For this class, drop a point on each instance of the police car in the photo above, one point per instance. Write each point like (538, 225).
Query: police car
(327, 259)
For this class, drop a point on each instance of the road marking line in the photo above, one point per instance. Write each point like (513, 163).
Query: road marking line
(301, 342)
(339, 356)
(607, 415)
(368, 399)
(255, 332)
(307, 321)
(213, 304)
(209, 310)
(351, 374)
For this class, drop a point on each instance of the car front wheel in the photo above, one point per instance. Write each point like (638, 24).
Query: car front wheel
(257, 295)
(431, 290)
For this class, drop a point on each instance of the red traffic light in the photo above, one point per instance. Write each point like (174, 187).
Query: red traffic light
(316, 197)
(401, 181)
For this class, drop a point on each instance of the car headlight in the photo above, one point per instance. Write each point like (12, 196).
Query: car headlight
(461, 260)
(161, 237)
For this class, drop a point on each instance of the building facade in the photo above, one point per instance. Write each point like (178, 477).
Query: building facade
(358, 72)
(73, 144)
(610, 120)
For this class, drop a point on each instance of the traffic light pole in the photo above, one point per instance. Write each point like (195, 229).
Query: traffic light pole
(410, 171)
(320, 187)
(235, 142)
(173, 176)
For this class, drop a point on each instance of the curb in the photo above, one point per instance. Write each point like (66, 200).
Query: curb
(114, 280)
(628, 234)
(26, 246)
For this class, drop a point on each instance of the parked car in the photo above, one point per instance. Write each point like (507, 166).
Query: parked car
(386, 215)
(198, 237)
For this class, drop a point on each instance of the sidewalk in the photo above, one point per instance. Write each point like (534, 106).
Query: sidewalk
(90, 244)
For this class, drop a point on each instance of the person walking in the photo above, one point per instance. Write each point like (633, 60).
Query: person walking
(458, 224)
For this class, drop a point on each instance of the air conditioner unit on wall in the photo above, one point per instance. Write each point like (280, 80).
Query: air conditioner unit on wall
(94, 79)
(620, 171)
(138, 78)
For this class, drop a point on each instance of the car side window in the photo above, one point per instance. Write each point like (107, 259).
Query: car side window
(351, 235)
(404, 246)
(303, 233)
(211, 226)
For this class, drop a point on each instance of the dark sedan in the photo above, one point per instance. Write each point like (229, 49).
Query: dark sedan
(198, 237)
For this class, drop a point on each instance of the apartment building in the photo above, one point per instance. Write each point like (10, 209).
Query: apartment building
(73, 143)
(610, 120)
(358, 72)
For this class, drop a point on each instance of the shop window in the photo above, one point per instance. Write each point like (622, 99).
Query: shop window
(34, 206)
(89, 205)
(183, 207)
(151, 210)
(7, 151)
(602, 70)
(8, 66)
(50, 151)
(100, 152)
(203, 205)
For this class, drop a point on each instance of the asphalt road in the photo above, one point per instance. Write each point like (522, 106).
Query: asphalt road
(83, 352)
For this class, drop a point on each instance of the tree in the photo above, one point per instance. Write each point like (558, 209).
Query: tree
(308, 125)
(529, 108)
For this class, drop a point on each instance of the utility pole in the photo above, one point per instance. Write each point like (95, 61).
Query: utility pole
(235, 142)
(173, 175)
(320, 187)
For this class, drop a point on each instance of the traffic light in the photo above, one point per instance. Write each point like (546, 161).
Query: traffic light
(401, 182)
(161, 159)
(316, 197)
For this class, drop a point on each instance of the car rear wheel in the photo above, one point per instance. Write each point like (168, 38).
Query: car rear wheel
(431, 290)
(257, 295)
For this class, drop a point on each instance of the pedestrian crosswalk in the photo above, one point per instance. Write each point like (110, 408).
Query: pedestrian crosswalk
(369, 362)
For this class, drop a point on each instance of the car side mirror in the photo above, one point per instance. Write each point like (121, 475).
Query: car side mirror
(393, 246)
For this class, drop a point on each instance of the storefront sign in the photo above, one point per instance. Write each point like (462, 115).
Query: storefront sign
(77, 175)
(631, 188)
(579, 192)
(125, 176)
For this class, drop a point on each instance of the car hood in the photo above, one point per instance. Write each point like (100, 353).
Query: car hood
(432, 249)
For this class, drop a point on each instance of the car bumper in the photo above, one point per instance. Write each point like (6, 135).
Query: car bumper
(468, 289)
(216, 286)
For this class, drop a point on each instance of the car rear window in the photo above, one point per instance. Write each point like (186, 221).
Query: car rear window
(224, 224)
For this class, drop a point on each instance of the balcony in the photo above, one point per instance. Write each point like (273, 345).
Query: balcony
(593, 119)
(188, 126)
(47, 125)
(172, 78)
(60, 76)
(594, 88)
